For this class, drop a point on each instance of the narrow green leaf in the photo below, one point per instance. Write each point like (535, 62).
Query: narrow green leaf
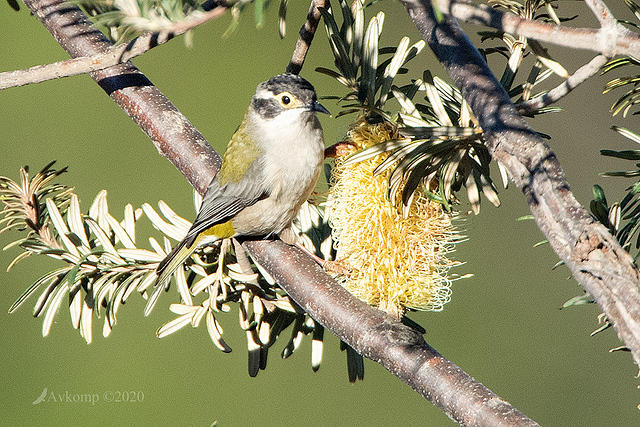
(75, 309)
(61, 227)
(626, 174)
(342, 57)
(53, 308)
(407, 105)
(14, 5)
(375, 150)
(74, 218)
(435, 100)
(174, 325)
(415, 177)
(170, 230)
(296, 338)
(129, 221)
(133, 284)
(369, 63)
(404, 153)
(282, 18)
(17, 259)
(579, 300)
(149, 279)
(34, 287)
(551, 12)
(334, 74)
(438, 131)
(473, 194)
(216, 333)
(103, 239)
(503, 175)
(357, 10)
(449, 173)
(598, 194)
(116, 300)
(86, 322)
(98, 210)
(622, 154)
(329, 21)
(120, 233)
(183, 287)
(140, 255)
(627, 134)
(153, 299)
(547, 61)
(488, 189)
(380, 19)
(392, 69)
(346, 29)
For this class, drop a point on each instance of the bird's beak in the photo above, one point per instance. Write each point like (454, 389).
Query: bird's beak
(319, 108)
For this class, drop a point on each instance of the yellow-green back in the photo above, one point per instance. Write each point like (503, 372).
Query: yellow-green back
(241, 152)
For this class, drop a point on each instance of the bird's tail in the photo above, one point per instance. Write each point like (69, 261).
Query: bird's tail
(167, 267)
(173, 260)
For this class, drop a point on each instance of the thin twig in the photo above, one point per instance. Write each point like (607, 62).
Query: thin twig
(582, 74)
(601, 11)
(609, 40)
(593, 255)
(392, 344)
(116, 54)
(306, 36)
(171, 133)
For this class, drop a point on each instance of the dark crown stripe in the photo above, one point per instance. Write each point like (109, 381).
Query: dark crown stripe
(291, 83)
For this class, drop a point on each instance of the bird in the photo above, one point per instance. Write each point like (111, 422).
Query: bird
(269, 169)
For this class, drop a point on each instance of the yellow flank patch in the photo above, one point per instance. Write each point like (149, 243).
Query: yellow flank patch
(221, 231)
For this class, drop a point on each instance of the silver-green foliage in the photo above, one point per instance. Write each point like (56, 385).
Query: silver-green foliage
(631, 97)
(440, 147)
(123, 20)
(103, 265)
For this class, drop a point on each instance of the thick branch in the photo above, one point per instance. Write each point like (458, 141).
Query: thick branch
(609, 40)
(375, 335)
(113, 56)
(307, 32)
(372, 333)
(595, 258)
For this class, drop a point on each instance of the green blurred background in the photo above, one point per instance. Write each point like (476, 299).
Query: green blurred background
(503, 326)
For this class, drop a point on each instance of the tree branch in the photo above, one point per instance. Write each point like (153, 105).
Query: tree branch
(601, 11)
(377, 336)
(171, 133)
(307, 32)
(113, 56)
(609, 40)
(595, 258)
(397, 347)
(582, 74)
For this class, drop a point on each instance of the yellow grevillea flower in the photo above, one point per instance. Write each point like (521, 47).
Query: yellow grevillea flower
(387, 260)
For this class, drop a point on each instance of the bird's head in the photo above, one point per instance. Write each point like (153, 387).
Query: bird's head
(285, 94)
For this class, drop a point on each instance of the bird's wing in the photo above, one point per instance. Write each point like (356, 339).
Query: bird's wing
(222, 201)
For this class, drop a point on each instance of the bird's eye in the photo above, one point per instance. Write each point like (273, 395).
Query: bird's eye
(286, 100)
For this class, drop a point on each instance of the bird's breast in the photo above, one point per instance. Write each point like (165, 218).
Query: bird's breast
(292, 162)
